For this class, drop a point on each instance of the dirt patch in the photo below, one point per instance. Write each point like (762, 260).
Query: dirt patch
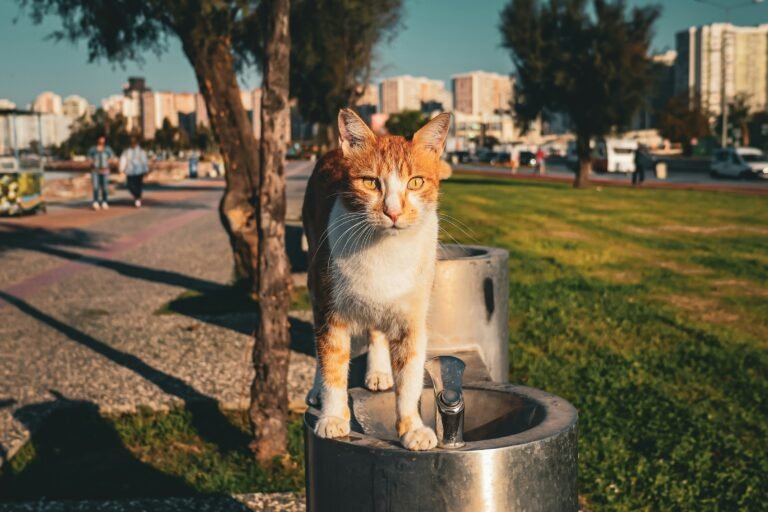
(617, 276)
(704, 309)
(567, 234)
(697, 230)
(684, 269)
(739, 286)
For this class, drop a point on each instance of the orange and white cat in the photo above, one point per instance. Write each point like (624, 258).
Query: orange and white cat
(370, 217)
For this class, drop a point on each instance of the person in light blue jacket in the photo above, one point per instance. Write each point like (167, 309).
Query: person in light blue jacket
(100, 155)
(134, 163)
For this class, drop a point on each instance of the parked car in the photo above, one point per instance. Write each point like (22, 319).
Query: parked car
(500, 158)
(739, 163)
(460, 157)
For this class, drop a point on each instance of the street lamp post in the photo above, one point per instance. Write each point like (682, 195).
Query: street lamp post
(727, 8)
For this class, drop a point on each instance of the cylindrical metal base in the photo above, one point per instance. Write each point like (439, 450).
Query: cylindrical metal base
(468, 305)
(521, 457)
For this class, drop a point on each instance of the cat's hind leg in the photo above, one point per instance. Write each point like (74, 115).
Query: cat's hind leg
(378, 374)
(333, 352)
(408, 357)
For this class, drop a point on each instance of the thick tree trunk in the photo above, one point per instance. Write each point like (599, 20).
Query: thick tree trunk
(585, 161)
(269, 391)
(214, 67)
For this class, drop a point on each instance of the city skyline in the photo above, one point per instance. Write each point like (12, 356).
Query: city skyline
(63, 67)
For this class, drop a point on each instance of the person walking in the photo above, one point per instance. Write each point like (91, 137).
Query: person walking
(540, 161)
(638, 177)
(99, 156)
(134, 163)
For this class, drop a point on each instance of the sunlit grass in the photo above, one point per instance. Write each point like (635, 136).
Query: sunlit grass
(647, 309)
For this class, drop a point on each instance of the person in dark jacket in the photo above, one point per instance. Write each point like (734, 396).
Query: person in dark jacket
(641, 160)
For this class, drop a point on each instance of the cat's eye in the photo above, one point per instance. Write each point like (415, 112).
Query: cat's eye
(370, 183)
(415, 183)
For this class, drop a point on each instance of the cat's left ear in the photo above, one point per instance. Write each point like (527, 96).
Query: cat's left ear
(432, 135)
(353, 132)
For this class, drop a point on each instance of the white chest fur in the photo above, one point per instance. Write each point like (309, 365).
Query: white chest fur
(385, 275)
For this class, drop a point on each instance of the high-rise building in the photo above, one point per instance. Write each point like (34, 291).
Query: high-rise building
(119, 105)
(157, 107)
(75, 107)
(722, 58)
(370, 96)
(481, 92)
(408, 92)
(47, 103)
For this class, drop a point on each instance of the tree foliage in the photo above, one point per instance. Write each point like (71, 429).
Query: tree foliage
(333, 45)
(87, 129)
(405, 123)
(683, 120)
(589, 63)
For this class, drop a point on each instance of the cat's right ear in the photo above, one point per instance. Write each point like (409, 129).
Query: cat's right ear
(353, 132)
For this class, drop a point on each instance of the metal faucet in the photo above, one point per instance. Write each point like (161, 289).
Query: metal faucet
(446, 373)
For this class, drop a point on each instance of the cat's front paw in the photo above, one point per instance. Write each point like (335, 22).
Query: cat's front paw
(423, 438)
(379, 381)
(331, 426)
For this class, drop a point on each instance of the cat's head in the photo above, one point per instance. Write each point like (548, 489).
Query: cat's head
(392, 180)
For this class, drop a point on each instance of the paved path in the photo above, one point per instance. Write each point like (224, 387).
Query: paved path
(79, 292)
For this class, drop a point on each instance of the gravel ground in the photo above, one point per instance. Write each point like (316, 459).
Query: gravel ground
(274, 502)
(92, 334)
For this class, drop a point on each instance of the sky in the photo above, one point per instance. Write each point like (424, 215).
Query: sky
(439, 38)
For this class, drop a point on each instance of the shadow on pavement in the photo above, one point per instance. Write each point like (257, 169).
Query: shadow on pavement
(206, 416)
(53, 243)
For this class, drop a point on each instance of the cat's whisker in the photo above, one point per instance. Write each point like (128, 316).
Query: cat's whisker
(450, 235)
(468, 235)
(353, 236)
(337, 223)
(457, 221)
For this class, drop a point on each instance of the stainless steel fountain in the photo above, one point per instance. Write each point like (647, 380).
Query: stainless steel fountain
(501, 447)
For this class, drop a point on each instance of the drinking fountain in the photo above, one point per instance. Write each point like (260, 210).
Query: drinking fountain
(501, 447)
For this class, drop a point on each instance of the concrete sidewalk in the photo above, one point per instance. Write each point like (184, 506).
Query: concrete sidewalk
(79, 295)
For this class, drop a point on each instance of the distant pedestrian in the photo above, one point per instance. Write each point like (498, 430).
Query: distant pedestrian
(540, 161)
(641, 156)
(100, 154)
(134, 163)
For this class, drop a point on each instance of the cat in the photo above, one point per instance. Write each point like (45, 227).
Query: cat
(370, 218)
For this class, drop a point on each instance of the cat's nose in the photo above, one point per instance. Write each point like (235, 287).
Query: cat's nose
(393, 214)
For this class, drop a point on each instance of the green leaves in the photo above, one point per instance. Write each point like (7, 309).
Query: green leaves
(594, 68)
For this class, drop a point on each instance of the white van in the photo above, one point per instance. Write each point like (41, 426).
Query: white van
(739, 163)
(608, 155)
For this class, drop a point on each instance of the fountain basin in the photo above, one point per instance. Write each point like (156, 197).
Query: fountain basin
(520, 454)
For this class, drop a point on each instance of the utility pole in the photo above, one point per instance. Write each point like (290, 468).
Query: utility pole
(727, 8)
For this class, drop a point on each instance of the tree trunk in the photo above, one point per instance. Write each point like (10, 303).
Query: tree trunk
(214, 67)
(269, 392)
(585, 161)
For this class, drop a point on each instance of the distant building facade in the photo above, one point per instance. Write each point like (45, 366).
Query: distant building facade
(481, 92)
(6, 104)
(75, 107)
(407, 92)
(21, 129)
(722, 58)
(47, 103)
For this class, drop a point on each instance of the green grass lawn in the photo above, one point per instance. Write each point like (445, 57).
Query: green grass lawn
(648, 310)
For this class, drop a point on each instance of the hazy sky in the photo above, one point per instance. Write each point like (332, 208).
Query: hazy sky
(439, 38)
